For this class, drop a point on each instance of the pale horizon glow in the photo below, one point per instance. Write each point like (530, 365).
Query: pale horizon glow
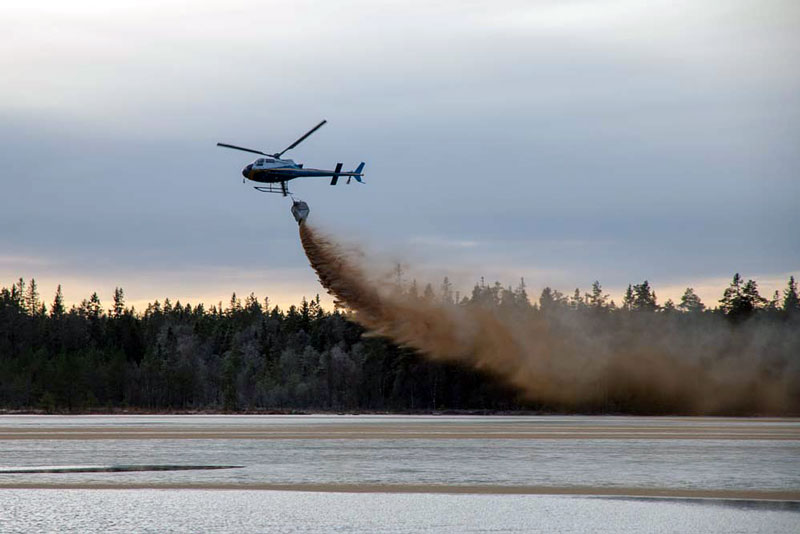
(559, 141)
(75, 290)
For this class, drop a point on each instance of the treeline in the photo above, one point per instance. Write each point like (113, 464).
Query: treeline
(249, 355)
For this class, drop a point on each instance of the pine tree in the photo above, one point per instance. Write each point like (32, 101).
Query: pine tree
(690, 302)
(740, 300)
(731, 295)
(644, 298)
(597, 300)
(576, 300)
(750, 293)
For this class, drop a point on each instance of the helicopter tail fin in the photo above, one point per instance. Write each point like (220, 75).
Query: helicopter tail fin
(359, 172)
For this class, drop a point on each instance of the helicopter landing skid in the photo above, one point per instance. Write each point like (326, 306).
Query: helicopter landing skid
(274, 188)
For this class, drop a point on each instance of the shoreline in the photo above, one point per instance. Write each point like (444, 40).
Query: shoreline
(433, 413)
(398, 427)
(584, 491)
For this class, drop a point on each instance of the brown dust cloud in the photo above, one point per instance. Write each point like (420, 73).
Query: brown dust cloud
(630, 362)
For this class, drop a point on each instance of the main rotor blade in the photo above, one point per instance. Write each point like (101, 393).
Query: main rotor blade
(243, 149)
(312, 130)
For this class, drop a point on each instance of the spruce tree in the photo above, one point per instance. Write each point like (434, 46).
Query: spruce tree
(17, 295)
(732, 295)
(791, 302)
(413, 290)
(447, 291)
(428, 294)
(551, 299)
(94, 308)
(119, 303)
(774, 303)
(520, 294)
(57, 309)
(627, 299)
(32, 298)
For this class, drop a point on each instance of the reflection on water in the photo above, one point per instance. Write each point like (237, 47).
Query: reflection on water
(685, 464)
(110, 468)
(103, 511)
(738, 504)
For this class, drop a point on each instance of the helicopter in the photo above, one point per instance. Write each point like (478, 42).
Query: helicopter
(276, 172)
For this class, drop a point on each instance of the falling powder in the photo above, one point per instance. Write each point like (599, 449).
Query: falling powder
(633, 361)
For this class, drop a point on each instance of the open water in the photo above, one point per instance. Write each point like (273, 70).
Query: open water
(398, 474)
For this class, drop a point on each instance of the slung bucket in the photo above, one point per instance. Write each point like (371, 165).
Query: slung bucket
(300, 210)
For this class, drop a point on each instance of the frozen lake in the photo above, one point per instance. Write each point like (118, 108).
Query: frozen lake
(399, 474)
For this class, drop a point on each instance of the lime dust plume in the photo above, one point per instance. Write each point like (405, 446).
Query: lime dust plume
(632, 362)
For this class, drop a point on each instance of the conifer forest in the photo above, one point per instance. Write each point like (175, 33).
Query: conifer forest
(251, 356)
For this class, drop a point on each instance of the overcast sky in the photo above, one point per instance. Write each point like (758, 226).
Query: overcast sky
(560, 141)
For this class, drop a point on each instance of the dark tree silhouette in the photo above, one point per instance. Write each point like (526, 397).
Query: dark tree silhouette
(644, 298)
(250, 356)
(690, 302)
(791, 302)
(740, 300)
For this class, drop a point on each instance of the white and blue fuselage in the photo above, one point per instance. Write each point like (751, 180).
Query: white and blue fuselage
(271, 169)
(275, 170)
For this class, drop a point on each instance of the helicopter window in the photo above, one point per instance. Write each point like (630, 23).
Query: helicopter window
(259, 162)
(269, 160)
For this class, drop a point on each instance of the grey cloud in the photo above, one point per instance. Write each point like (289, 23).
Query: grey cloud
(629, 149)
